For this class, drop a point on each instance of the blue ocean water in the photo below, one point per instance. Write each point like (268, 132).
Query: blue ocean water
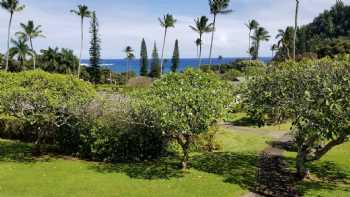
(119, 65)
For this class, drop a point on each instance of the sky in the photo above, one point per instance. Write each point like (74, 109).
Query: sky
(125, 23)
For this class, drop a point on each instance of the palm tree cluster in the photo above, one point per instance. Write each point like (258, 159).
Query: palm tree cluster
(260, 34)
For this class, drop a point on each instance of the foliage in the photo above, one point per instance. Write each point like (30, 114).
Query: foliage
(58, 61)
(44, 103)
(21, 50)
(314, 94)
(185, 105)
(155, 64)
(260, 35)
(143, 59)
(232, 75)
(176, 57)
(332, 47)
(95, 50)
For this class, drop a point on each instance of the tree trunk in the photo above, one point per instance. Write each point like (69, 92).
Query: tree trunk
(127, 70)
(200, 51)
(295, 29)
(250, 55)
(34, 55)
(300, 165)
(81, 45)
(185, 142)
(162, 58)
(212, 40)
(8, 43)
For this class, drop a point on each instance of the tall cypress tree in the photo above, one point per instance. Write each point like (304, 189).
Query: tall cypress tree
(176, 57)
(155, 64)
(95, 50)
(143, 59)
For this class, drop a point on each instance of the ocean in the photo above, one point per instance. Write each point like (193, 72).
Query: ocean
(119, 65)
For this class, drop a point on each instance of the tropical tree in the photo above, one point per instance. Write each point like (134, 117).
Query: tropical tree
(155, 63)
(20, 50)
(285, 42)
(167, 22)
(176, 57)
(217, 7)
(12, 6)
(201, 26)
(295, 27)
(198, 43)
(30, 32)
(129, 56)
(82, 12)
(251, 25)
(274, 48)
(95, 50)
(143, 59)
(260, 35)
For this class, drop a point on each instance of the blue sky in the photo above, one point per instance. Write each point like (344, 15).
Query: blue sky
(125, 23)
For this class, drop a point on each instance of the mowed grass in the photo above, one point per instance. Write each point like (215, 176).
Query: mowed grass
(230, 172)
(330, 177)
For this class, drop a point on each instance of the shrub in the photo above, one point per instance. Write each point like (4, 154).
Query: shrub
(232, 75)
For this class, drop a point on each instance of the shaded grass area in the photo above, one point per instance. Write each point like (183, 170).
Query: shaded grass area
(330, 176)
(227, 173)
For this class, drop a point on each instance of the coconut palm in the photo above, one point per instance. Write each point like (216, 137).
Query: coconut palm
(274, 48)
(82, 12)
(251, 25)
(198, 43)
(285, 41)
(260, 35)
(295, 28)
(30, 32)
(20, 50)
(11, 6)
(167, 22)
(129, 56)
(201, 26)
(217, 7)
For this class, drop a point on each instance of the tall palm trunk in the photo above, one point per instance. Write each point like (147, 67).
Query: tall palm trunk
(250, 55)
(81, 45)
(127, 69)
(162, 58)
(257, 49)
(200, 51)
(295, 29)
(212, 40)
(8, 42)
(34, 55)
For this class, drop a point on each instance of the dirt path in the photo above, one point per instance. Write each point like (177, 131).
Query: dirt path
(273, 177)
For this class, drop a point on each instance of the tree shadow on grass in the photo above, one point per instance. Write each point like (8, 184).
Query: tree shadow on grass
(326, 175)
(236, 168)
(243, 122)
(163, 169)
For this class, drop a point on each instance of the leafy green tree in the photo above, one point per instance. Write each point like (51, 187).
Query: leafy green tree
(58, 61)
(83, 12)
(260, 35)
(30, 32)
(252, 26)
(143, 59)
(201, 27)
(314, 95)
(285, 42)
(155, 63)
(217, 7)
(12, 6)
(176, 57)
(187, 104)
(95, 50)
(129, 56)
(167, 22)
(20, 50)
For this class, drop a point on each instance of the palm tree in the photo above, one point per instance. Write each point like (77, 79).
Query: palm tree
(167, 22)
(198, 43)
(201, 27)
(30, 32)
(252, 25)
(285, 41)
(83, 12)
(11, 6)
(217, 7)
(295, 28)
(274, 48)
(21, 50)
(129, 56)
(261, 34)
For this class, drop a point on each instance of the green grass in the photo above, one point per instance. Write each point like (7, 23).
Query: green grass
(227, 173)
(330, 176)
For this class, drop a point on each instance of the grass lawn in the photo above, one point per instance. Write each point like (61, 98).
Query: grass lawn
(227, 173)
(330, 177)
